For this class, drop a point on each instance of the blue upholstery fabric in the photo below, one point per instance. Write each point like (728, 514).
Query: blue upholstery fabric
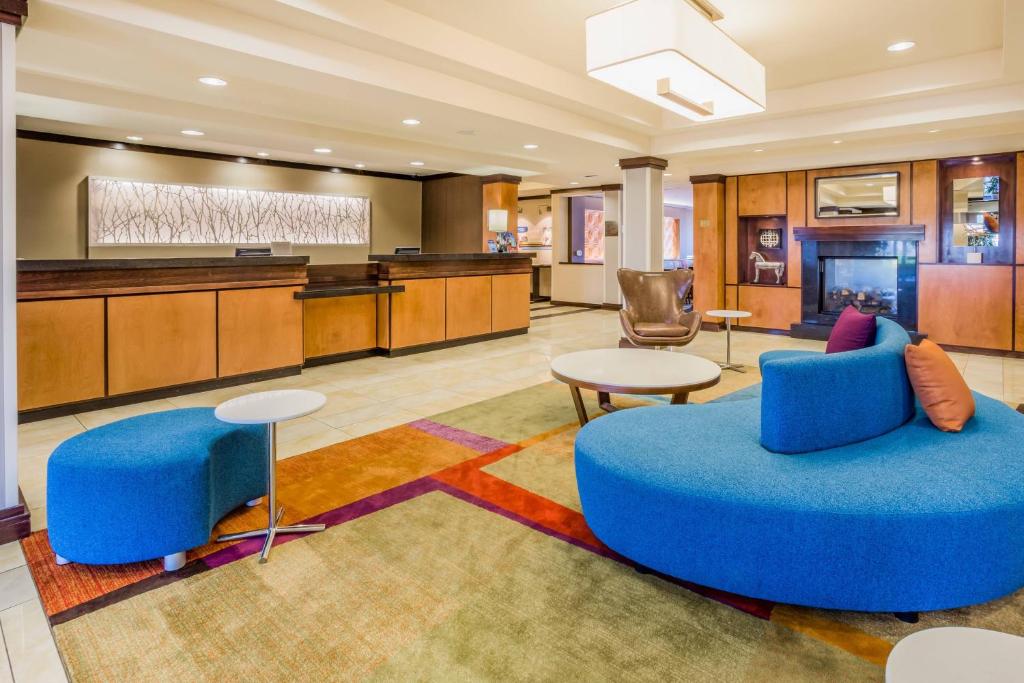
(812, 401)
(916, 519)
(151, 485)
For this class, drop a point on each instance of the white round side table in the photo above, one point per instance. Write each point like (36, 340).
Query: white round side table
(729, 315)
(953, 654)
(269, 408)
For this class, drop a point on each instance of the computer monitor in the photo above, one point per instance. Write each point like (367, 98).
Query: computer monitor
(406, 250)
(252, 251)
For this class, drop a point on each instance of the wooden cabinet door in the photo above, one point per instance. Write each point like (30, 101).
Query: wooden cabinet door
(160, 340)
(258, 329)
(762, 195)
(510, 302)
(339, 325)
(60, 352)
(417, 314)
(467, 306)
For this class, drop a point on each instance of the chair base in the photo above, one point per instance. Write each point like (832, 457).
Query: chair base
(172, 562)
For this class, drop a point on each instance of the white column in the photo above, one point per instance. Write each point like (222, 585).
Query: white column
(612, 254)
(640, 235)
(8, 281)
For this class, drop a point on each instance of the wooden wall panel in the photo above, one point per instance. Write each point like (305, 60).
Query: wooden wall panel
(510, 302)
(708, 246)
(731, 232)
(925, 208)
(1020, 208)
(61, 352)
(904, 195)
(966, 305)
(417, 314)
(339, 325)
(499, 195)
(160, 340)
(1018, 314)
(451, 214)
(467, 306)
(258, 329)
(730, 298)
(773, 308)
(762, 195)
(796, 217)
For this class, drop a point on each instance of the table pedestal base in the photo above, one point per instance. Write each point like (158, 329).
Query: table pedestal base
(271, 532)
(604, 401)
(732, 366)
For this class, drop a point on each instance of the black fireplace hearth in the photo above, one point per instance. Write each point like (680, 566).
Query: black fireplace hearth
(872, 271)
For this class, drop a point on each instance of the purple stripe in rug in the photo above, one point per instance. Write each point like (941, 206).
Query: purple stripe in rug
(480, 444)
(346, 513)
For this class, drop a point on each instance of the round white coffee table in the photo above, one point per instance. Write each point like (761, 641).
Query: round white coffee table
(632, 371)
(729, 315)
(954, 654)
(269, 408)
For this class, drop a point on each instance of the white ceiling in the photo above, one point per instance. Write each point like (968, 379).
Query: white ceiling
(487, 76)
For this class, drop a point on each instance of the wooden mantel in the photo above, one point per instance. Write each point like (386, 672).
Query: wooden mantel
(860, 233)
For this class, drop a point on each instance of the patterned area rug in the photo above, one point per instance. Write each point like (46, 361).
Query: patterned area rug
(455, 550)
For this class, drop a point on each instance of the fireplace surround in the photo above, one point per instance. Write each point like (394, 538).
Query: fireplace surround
(873, 268)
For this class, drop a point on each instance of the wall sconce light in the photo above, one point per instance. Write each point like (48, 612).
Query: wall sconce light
(497, 220)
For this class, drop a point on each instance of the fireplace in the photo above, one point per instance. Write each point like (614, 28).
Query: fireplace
(872, 268)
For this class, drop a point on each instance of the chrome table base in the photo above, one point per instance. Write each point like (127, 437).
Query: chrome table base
(272, 528)
(728, 364)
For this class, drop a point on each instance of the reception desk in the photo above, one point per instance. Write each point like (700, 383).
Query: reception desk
(105, 332)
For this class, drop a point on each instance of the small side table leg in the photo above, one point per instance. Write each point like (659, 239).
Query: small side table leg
(577, 400)
(681, 398)
(728, 364)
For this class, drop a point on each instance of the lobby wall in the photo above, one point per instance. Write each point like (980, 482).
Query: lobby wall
(52, 200)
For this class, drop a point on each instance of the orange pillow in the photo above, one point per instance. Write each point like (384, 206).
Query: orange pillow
(943, 393)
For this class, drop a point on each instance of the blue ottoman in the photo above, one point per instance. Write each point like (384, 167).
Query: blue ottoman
(150, 486)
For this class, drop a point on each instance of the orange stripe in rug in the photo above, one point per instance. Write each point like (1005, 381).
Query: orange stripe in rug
(845, 637)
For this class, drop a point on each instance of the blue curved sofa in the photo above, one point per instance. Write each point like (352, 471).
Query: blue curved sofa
(892, 515)
(150, 486)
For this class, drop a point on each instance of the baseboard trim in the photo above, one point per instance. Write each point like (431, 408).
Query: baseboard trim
(449, 343)
(342, 357)
(27, 416)
(575, 303)
(15, 522)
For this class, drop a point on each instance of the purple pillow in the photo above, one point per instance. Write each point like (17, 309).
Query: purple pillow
(854, 330)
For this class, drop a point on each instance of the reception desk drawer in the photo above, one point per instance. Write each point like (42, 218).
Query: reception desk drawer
(60, 352)
(258, 329)
(160, 340)
(339, 325)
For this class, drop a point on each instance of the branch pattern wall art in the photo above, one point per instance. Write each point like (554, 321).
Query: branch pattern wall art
(128, 212)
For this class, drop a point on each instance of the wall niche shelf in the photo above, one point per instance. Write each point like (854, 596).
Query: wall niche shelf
(767, 236)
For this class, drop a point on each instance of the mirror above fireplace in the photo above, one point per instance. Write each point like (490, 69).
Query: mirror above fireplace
(857, 196)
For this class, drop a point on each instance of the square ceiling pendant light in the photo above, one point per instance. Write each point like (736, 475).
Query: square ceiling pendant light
(670, 53)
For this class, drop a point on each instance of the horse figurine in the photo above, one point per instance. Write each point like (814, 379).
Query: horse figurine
(761, 264)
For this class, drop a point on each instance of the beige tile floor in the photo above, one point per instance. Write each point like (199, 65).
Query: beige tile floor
(365, 396)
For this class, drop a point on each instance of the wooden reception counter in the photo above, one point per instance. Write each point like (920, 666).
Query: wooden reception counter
(104, 332)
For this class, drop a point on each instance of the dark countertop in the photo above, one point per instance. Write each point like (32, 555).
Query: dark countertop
(475, 256)
(332, 292)
(33, 265)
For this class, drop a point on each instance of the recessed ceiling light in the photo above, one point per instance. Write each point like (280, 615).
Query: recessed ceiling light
(213, 80)
(360, 165)
(934, 130)
(574, 183)
(242, 160)
(837, 142)
(416, 163)
(335, 170)
(411, 122)
(975, 158)
(667, 175)
(190, 131)
(530, 146)
(118, 145)
(322, 150)
(263, 154)
(901, 46)
(977, 163)
(758, 150)
(134, 138)
(616, 164)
